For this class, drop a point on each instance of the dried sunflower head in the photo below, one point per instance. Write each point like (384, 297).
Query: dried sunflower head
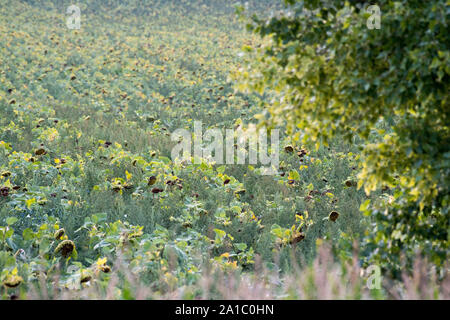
(40, 152)
(157, 190)
(6, 174)
(12, 281)
(105, 268)
(289, 149)
(4, 191)
(187, 224)
(151, 180)
(59, 233)
(66, 247)
(297, 237)
(350, 183)
(85, 278)
(333, 216)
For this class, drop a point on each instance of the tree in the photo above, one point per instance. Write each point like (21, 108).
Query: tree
(327, 73)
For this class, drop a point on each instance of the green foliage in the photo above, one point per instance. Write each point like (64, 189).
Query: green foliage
(327, 74)
(88, 192)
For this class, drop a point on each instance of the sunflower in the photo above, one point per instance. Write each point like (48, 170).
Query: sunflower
(66, 247)
(289, 149)
(151, 180)
(157, 190)
(187, 224)
(302, 153)
(5, 174)
(333, 216)
(40, 152)
(105, 268)
(4, 191)
(349, 183)
(59, 233)
(85, 278)
(12, 281)
(297, 237)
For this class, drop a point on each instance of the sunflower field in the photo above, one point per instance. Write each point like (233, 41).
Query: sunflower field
(92, 205)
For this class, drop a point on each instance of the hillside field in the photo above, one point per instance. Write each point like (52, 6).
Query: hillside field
(93, 205)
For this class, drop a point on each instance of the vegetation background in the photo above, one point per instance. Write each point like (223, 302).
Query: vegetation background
(92, 206)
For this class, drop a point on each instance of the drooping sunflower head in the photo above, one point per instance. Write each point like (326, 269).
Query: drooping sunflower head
(333, 216)
(12, 281)
(85, 277)
(66, 247)
(105, 268)
(59, 233)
